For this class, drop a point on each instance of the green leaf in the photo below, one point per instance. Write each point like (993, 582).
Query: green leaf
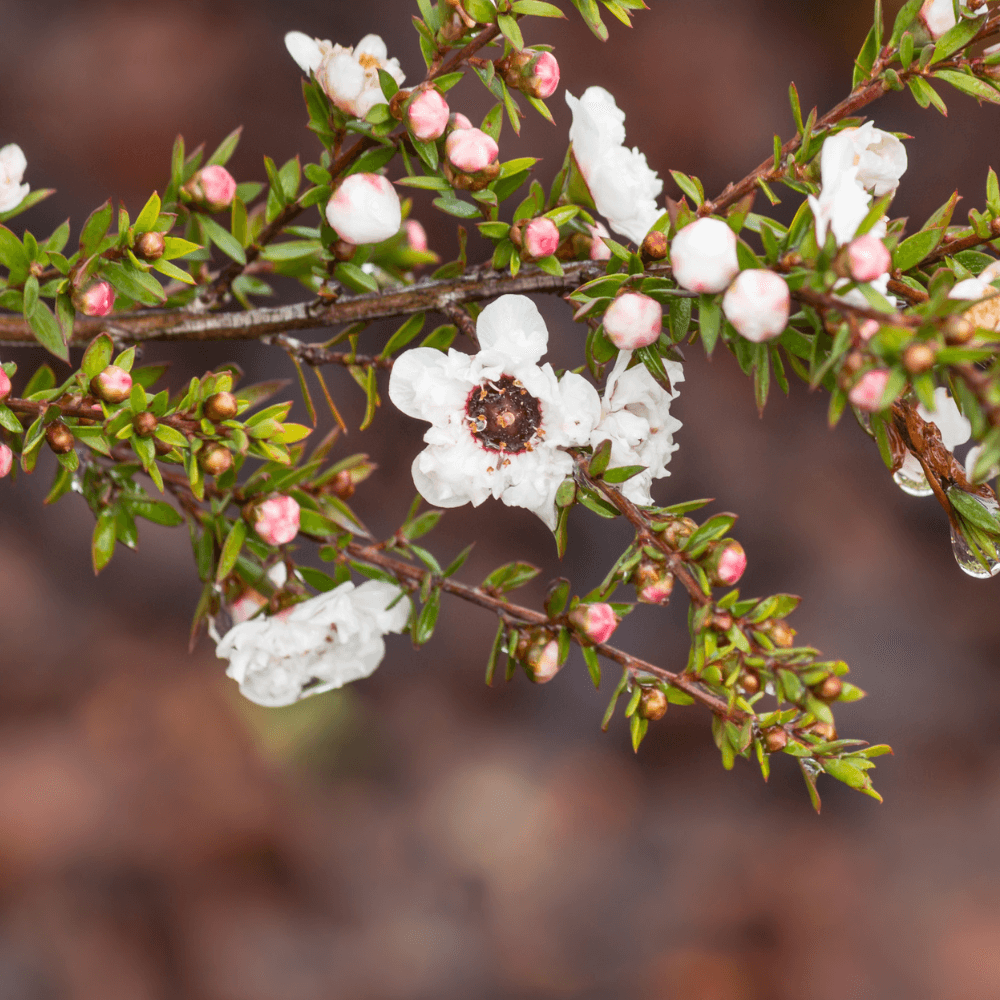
(423, 628)
(410, 329)
(622, 473)
(231, 549)
(29, 201)
(47, 331)
(691, 186)
(224, 240)
(134, 284)
(593, 664)
(904, 19)
(158, 512)
(537, 8)
(102, 544)
(508, 25)
(925, 94)
(455, 206)
(225, 149)
(970, 85)
(149, 214)
(973, 511)
(174, 247)
(98, 355)
(95, 228)
(915, 248)
(956, 38)
(355, 279)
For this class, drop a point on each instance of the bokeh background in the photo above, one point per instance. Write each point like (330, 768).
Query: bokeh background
(419, 835)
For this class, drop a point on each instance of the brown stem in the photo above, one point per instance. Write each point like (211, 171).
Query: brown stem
(314, 354)
(824, 302)
(88, 411)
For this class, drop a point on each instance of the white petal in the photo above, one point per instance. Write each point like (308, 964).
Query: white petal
(955, 429)
(304, 50)
(13, 163)
(513, 326)
(579, 410)
(372, 45)
(429, 385)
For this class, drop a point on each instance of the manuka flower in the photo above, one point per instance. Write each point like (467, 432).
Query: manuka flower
(349, 76)
(635, 416)
(498, 420)
(621, 183)
(12, 167)
(318, 645)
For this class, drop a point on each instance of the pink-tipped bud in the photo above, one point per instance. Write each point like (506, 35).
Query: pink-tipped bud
(458, 121)
(542, 661)
(246, 605)
(96, 300)
(599, 250)
(867, 393)
(277, 520)
(703, 256)
(113, 385)
(868, 258)
(868, 329)
(470, 150)
(596, 621)
(5, 386)
(633, 320)
(539, 238)
(213, 188)
(534, 73)
(653, 583)
(757, 304)
(6, 460)
(416, 235)
(365, 209)
(726, 563)
(427, 115)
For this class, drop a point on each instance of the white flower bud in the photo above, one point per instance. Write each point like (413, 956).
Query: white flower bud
(703, 256)
(365, 209)
(12, 167)
(633, 320)
(867, 393)
(938, 16)
(757, 304)
(427, 115)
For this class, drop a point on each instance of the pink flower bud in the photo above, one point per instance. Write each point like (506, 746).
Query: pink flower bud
(868, 329)
(545, 76)
(867, 393)
(543, 662)
(633, 320)
(535, 73)
(246, 606)
(113, 385)
(731, 564)
(539, 239)
(365, 209)
(757, 304)
(5, 387)
(868, 258)
(97, 300)
(6, 460)
(470, 150)
(595, 621)
(427, 115)
(703, 256)
(277, 520)
(416, 235)
(459, 121)
(598, 248)
(214, 187)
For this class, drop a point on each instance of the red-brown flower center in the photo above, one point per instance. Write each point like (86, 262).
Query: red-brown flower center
(503, 415)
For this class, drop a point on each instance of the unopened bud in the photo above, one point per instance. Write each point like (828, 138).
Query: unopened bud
(427, 115)
(757, 304)
(6, 460)
(113, 385)
(541, 660)
(868, 329)
(653, 704)
(416, 235)
(678, 530)
(538, 238)
(213, 188)
(149, 246)
(162, 448)
(599, 250)
(867, 392)
(534, 73)
(655, 246)
(633, 320)
(596, 621)
(276, 520)
(365, 209)
(725, 563)
(145, 423)
(750, 682)
(781, 635)
(721, 621)
(97, 299)
(5, 386)
(216, 459)
(830, 689)
(343, 485)
(653, 582)
(703, 256)
(220, 406)
(470, 159)
(868, 258)
(958, 330)
(59, 437)
(457, 121)
(775, 739)
(824, 730)
(918, 358)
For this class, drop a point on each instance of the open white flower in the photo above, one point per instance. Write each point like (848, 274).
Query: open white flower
(12, 167)
(318, 645)
(349, 76)
(980, 289)
(498, 420)
(635, 416)
(955, 430)
(621, 183)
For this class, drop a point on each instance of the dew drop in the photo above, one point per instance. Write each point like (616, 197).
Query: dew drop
(968, 561)
(910, 478)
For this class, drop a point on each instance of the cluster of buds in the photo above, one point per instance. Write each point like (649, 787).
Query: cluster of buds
(534, 72)
(276, 520)
(633, 320)
(653, 582)
(113, 384)
(470, 162)
(211, 189)
(535, 238)
(97, 299)
(539, 654)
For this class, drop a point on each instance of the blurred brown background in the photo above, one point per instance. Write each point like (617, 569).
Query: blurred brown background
(420, 836)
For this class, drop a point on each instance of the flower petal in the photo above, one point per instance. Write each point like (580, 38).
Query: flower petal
(513, 326)
(304, 50)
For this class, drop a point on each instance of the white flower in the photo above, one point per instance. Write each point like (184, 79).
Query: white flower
(365, 209)
(955, 430)
(12, 167)
(635, 416)
(841, 206)
(938, 16)
(349, 76)
(320, 644)
(498, 420)
(623, 186)
(985, 314)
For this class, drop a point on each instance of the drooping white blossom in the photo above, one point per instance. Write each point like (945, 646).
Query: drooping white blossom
(635, 417)
(348, 75)
(498, 419)
(13, 164)
(320, 644)
(623, 186)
